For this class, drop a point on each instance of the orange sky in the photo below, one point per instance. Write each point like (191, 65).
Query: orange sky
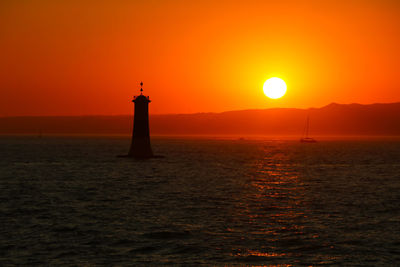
(88, 57)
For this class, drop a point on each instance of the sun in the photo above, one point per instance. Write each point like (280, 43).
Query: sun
(274, 88)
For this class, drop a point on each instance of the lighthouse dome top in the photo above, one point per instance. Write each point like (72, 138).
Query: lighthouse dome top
(141, 98)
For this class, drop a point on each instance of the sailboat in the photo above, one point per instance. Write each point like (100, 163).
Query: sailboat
(306, 138)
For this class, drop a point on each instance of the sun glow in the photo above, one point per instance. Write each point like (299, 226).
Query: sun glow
(274, 88)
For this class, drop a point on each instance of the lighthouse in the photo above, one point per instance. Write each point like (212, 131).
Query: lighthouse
(140, 146)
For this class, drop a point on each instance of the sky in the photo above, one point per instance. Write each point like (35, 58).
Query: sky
(88, 57)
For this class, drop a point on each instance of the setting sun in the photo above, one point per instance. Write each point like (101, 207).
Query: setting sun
(274, 88)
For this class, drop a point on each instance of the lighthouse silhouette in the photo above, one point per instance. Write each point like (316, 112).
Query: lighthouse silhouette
(140, 146)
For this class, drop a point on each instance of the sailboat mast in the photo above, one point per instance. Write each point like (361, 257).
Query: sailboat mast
(307, 139)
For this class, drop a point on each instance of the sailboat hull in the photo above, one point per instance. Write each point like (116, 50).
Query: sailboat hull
(308, 140)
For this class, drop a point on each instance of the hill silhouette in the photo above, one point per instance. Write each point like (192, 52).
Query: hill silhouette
(333, 119)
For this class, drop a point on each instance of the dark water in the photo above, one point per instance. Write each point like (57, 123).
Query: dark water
(70, 201)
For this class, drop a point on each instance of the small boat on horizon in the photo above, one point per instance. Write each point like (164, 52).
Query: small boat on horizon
(305, 138)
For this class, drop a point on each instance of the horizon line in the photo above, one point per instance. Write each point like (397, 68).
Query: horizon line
(206, 112)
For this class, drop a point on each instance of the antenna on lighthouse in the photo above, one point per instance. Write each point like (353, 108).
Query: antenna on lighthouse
(141, 88)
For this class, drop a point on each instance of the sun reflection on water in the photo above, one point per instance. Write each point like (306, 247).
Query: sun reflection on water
(272, 208)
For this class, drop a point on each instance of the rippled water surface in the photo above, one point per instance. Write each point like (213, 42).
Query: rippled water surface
(208, 202)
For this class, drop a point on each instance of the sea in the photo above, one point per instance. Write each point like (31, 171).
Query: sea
(70, 201)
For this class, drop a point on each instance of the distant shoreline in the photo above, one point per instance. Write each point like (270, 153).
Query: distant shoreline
(331, 120)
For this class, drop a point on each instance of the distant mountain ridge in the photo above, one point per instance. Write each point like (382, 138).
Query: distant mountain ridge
(333, 119)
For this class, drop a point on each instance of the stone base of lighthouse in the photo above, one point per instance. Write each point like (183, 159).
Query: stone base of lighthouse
(140, 148)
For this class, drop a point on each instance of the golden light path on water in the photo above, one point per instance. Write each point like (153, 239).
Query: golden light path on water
(275, 208)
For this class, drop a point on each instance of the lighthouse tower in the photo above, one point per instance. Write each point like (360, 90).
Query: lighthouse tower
(140, 146)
